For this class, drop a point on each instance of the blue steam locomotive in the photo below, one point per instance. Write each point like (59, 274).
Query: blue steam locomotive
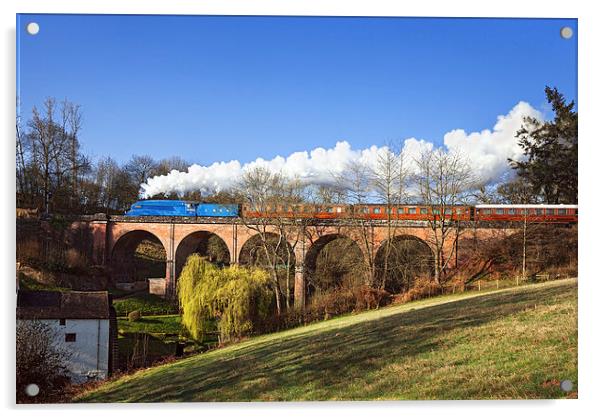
(181, 208)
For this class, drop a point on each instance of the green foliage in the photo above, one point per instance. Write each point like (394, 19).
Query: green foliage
(134, 316)
(146, 303)
(156, 324)
(551, 151)
(239, 298)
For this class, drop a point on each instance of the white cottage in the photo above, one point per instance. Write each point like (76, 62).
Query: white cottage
(84, 323)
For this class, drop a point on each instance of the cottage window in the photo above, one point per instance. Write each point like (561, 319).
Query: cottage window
(70, 337)
(62, 321)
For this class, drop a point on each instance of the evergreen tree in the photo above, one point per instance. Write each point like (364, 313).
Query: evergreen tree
(551, 151)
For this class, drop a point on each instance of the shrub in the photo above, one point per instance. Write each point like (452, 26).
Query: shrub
(40, 361)
(134, 316)
(333, 302)
(239, 298)
(423, 287)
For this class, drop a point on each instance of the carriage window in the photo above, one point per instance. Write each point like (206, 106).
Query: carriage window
(510, 211)
(399, 211)
(365, 210)
(485, 211)
(576, 212)
(499, 211)
(376, 210)
(539, 211)
(436, 211)
(562, 211)
(330, 209)
(412, 211)
(459, 211)
(549, 211)
(339, 209)
(390, 211)
(424, 211)
(448, 211)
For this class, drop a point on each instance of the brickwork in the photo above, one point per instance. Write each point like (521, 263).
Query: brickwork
(109, 236)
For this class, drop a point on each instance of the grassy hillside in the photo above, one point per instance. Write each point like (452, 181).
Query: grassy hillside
(516, 343)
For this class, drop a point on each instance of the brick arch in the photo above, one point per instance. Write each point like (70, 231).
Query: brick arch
(410, 257)
(197, 242)
(286, 278)
(314, 251)
(121, 253)
(226, 232)
(246, 247)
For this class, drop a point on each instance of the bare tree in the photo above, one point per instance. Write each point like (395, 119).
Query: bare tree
(23, 186)
(72, 123)
(279, 230)
(140, 168)
(115, 191)
(166, 165)
(46, 147)
(444, 181)
(356, 182)
(49, 160)
(389, 181)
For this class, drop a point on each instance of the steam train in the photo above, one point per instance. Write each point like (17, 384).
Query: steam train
(530, 213)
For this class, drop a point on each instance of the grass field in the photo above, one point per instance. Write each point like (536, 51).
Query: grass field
(161, 333)
(164, 324)
(146, 303)
(514, 343)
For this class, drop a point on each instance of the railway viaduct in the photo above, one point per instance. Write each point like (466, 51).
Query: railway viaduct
(116, 238)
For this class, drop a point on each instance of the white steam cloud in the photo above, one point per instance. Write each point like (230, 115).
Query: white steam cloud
(486, 151)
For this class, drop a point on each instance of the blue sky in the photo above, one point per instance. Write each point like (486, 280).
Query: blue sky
(221, 88)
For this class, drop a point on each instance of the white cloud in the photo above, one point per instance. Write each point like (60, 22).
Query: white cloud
(486, 151)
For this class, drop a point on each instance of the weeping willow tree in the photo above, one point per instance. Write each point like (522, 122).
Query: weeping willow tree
(238, 298)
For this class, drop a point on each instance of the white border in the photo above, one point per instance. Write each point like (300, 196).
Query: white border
(590, 96)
